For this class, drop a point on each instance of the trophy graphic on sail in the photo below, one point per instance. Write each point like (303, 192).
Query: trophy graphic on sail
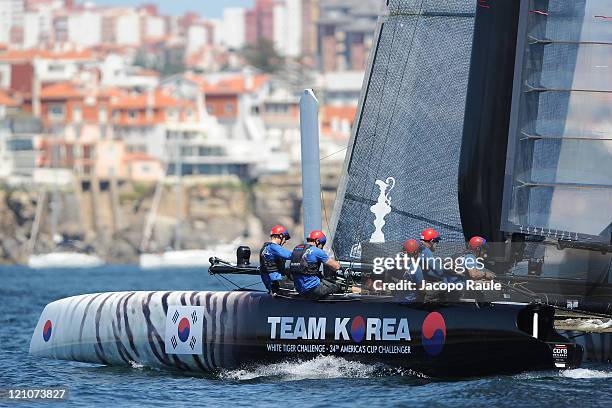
(380, 210)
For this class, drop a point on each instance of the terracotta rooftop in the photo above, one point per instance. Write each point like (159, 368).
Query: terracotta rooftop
(26, 55)
(341, 112)
(61, 90)
(138, 156)
(7, 100)
(140, 101)
(233, 85)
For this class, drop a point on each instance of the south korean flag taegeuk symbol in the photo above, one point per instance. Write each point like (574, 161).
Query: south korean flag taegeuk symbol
(184, 329)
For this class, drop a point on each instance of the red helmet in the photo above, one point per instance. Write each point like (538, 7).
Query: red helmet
(281, 231)
(477, 242)
(430, 234)
(317, 235)
(411, 246)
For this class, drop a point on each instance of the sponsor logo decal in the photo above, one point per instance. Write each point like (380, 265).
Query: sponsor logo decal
(360, 328)
(338, 335)
(47, 329)
(433, 333)
(559, 352)
(184, 330)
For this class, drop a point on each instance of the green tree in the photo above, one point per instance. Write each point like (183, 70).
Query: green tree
(263, 56)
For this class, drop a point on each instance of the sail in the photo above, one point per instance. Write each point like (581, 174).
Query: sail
(400, 173)
(487, 117)
(558, 180)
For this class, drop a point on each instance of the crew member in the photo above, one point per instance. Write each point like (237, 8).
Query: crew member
(413, 250)
(431, 266)
(306, 260)
(477, 247)
(272, 258)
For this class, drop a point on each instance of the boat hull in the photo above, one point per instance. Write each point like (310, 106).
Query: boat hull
(64, 260)
(597, 346)
(207, 331)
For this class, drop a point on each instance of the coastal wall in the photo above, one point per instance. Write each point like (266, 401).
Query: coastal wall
(108, 217)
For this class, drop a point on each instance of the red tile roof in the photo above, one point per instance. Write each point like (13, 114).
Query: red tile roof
(140, 101)
(61, 90)
(138, 156)
(26, 55)
(7, 100)
(233, 85)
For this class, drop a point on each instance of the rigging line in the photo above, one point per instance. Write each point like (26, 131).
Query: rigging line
(223, 283)
(547, 41)
(524, 183)
(324, 210)
(227, 279)
(528, 136)
(252, 284)
(336, 152)
(531, 88)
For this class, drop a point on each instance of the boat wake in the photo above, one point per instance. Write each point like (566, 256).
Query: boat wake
(575, 373)
(579, 373)
(322, 367)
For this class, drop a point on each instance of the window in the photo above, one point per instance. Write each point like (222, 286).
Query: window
(56, 112)
(77, 114)
(172, 114)
(56, 68)
(102, 114)
(229, 108)
(116, 114)
(132, 114)
(210, 109)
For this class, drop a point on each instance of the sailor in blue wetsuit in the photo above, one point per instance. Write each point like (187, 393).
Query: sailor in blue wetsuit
(415, 273)
(433, 266)
(473, 260)
(272, 258)
(306, 260)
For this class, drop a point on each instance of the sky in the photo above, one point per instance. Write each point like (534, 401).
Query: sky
(207, 8)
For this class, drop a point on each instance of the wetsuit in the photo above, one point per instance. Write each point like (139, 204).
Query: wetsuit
(414, 274)
(305, 263)
(272, 265)
(433, 270)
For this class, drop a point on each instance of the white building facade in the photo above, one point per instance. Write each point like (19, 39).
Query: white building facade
(233, 27)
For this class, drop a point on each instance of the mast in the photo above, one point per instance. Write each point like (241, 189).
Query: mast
(150, 223)
(311, 170)
(178, 171)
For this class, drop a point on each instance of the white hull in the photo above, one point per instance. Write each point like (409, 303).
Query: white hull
(64, 260)
(195, 258)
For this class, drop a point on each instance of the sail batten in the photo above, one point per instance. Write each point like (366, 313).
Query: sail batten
(559, 166)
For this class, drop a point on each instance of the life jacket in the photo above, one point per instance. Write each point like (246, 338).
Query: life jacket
(299, 265)
(270, 266)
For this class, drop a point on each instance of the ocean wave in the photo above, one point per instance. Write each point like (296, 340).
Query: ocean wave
(575, 373)
(321, 367)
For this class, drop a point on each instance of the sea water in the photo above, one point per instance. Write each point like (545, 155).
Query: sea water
(324, 381)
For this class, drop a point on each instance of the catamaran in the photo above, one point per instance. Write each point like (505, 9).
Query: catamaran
(466, 122)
